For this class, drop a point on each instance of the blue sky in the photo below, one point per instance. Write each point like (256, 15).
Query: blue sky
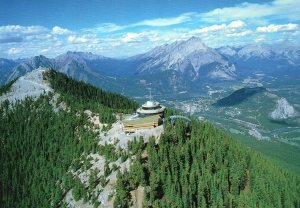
(120, 28)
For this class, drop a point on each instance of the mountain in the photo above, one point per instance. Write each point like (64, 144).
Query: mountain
(78, 65)
(31, 64)
(283, 110)
(276, 59)
(68, 149)
(173, 67)
(30, 85)
(45, 113)
(192, 58)
(239, 96)
(77, 60)
(187, 65)
(6, 66)
(75, 65)
(71, 63)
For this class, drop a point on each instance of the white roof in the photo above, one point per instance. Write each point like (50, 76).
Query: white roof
(150, 104)
(155, 111)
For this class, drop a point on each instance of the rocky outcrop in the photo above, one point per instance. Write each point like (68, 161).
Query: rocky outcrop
(283, 110)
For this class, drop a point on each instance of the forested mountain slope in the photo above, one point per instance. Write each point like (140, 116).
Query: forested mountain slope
(45, 142)
(200, 166)
(40, 144)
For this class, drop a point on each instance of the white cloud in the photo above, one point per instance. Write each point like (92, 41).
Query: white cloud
(14, 51)
(209, 29)
(252, 12)
(76, 39)
(239, 34)
(213, 28)
(277, 28)
(105, 28)
(17, 29)
(56, 30)
(161, 22)
(17, 33)
(259, 39)
(149, 36)
(279, 8)
(228, 25)
(130, 37)
(237, 24)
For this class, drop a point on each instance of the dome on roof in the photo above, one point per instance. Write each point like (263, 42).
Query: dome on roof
(151, 107)
(150, 104)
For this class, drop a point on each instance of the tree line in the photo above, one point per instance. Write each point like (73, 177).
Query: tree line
(82, 96)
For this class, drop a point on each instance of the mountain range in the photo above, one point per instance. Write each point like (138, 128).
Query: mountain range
(268, 59)
(175, 67)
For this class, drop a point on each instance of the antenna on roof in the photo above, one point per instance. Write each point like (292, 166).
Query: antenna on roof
(149, 88)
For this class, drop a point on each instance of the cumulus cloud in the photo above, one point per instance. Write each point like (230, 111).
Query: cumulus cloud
(130, 36)
(277, 28)
(17, 29)
(243, 23)
(56, 30)
(134, 37)
(213, 28)
(83, 38)
(17, 33)
(239, 34)
(237, 24)
(256, 12)
(77, 39)
(209, 29)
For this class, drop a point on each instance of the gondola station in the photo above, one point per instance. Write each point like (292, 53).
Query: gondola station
(149, 115)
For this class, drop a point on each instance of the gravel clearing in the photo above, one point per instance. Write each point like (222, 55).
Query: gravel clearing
(120, 139)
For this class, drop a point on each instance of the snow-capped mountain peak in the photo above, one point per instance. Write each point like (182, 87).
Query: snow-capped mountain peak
(177, 48)
(188, 57)
(255, 51)
(188, 46)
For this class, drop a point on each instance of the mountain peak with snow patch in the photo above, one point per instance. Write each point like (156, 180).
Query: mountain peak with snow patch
(188, 57)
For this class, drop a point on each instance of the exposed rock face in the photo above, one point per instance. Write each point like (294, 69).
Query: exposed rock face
(30, 85)
(30, 65)
(189, 57)
(283, 110)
